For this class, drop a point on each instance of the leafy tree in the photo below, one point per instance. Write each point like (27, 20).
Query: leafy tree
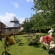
(28, 24)
(46, 18)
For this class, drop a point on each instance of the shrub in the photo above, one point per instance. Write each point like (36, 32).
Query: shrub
(9, 41)
(53, 35)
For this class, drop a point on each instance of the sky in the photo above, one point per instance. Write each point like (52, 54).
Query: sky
(18, 8)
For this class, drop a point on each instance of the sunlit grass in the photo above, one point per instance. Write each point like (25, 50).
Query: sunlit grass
(24, 49)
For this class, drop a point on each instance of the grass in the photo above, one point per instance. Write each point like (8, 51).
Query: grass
(25, 49)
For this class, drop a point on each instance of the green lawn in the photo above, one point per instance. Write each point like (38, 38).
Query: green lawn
(24, 49)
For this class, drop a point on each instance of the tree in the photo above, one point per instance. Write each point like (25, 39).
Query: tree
(28, 24)
(46, 17)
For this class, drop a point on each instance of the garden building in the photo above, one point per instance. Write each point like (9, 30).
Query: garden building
(2, 25)
(13, 26)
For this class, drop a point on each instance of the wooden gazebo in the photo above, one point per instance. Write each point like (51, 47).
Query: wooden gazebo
(13, 26)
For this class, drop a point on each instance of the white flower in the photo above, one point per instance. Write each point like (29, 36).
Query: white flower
(41, 39)
(45, 44)
(50, 32)
(51, 42)
(52, 45)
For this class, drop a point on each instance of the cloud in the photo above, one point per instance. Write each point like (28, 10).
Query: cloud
(29, 0)
(15, 4)
(6, 18)
(21, 20)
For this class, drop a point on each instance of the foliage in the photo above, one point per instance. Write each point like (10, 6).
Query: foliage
(53, 35)
(28, 24)
(45, 19)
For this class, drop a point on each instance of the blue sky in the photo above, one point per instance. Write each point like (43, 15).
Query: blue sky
(19, 8)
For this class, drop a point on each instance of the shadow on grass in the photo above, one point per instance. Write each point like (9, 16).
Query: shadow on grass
(21, 44)
(34, 44)
(44, 48)
(5, 53)
(51, 52)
